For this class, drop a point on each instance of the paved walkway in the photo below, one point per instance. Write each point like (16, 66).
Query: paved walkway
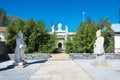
(106, 73)
(18, 73)
(60, 67)
(60, 57)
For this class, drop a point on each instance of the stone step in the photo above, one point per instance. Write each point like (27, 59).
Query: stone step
(47, 77)
(59, 57)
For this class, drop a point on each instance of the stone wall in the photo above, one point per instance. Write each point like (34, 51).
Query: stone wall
(76, 56)
(3, 51)
(3, 48)
(38, 56)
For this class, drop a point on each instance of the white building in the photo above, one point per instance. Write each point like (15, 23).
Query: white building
(116, 30)
(3, 48)
(61, 35)
(2, 37)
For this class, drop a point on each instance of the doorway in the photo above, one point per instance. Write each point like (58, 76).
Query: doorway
(59, 45)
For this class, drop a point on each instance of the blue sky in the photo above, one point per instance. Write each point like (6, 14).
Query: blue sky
(68, 12)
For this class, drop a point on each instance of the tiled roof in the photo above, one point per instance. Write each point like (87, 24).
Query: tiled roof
(116, 27)
(2, 29)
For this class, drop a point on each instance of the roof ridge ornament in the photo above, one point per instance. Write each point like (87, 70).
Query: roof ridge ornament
(59, 27)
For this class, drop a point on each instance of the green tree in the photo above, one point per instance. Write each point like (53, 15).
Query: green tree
(36, 36)
(51, 44)
(3, 17)
(86, 36)
(70, 45)
(40, 40)
(84, 39)
(107, 33)
(27, 31)
(11, 19)
(11, 34)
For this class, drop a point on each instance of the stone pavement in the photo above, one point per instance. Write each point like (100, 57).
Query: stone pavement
(60, 57)
(60, 67)
(18, 73)
(104, 73)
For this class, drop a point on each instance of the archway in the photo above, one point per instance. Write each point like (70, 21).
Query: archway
(59, 45)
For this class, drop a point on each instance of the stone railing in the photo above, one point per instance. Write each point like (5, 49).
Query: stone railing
(38, 56)
(76, 56)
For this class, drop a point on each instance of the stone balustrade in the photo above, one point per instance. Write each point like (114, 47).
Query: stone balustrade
(76, 56)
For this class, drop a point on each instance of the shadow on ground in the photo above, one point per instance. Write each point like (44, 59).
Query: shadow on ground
(4, 69)
(29, 63)
(38, 61)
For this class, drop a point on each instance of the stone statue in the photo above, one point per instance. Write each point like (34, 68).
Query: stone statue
(99, 43)
(59, 27)
(99, 48)
(19, 50)
(66, 28)
(53, 28)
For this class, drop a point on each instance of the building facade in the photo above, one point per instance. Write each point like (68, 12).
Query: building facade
(116, 30)
(61, 35)
(3, 48)
(2, 37)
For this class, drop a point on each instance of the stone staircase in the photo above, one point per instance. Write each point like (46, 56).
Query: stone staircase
(60, 57)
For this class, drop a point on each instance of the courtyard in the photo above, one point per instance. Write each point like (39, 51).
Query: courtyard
(60, 67)
(59, 40)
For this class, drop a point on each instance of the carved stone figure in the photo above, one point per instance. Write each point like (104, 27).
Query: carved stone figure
(19, 50)
(99, 48)
(99, 43)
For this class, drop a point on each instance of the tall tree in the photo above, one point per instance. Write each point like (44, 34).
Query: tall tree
(36, 36)
(107, 33)
(11, 34)
(3, 17)
(86, 36)
(84, 39)
(70, 45)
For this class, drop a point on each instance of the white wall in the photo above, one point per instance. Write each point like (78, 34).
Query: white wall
(2, 36)
(117, 43)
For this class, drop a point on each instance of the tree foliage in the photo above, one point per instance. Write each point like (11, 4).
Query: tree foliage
(11, 34)
(6, 20)
(3, 17)
(70, 45)
(36, 36)
(85, 37)
(107, 33)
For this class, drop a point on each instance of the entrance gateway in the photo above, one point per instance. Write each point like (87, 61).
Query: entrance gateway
(59, 45)
(61, 35)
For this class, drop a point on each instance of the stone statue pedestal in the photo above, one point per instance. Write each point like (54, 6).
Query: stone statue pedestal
(100, 59)
(19, 57)
(18, 65)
